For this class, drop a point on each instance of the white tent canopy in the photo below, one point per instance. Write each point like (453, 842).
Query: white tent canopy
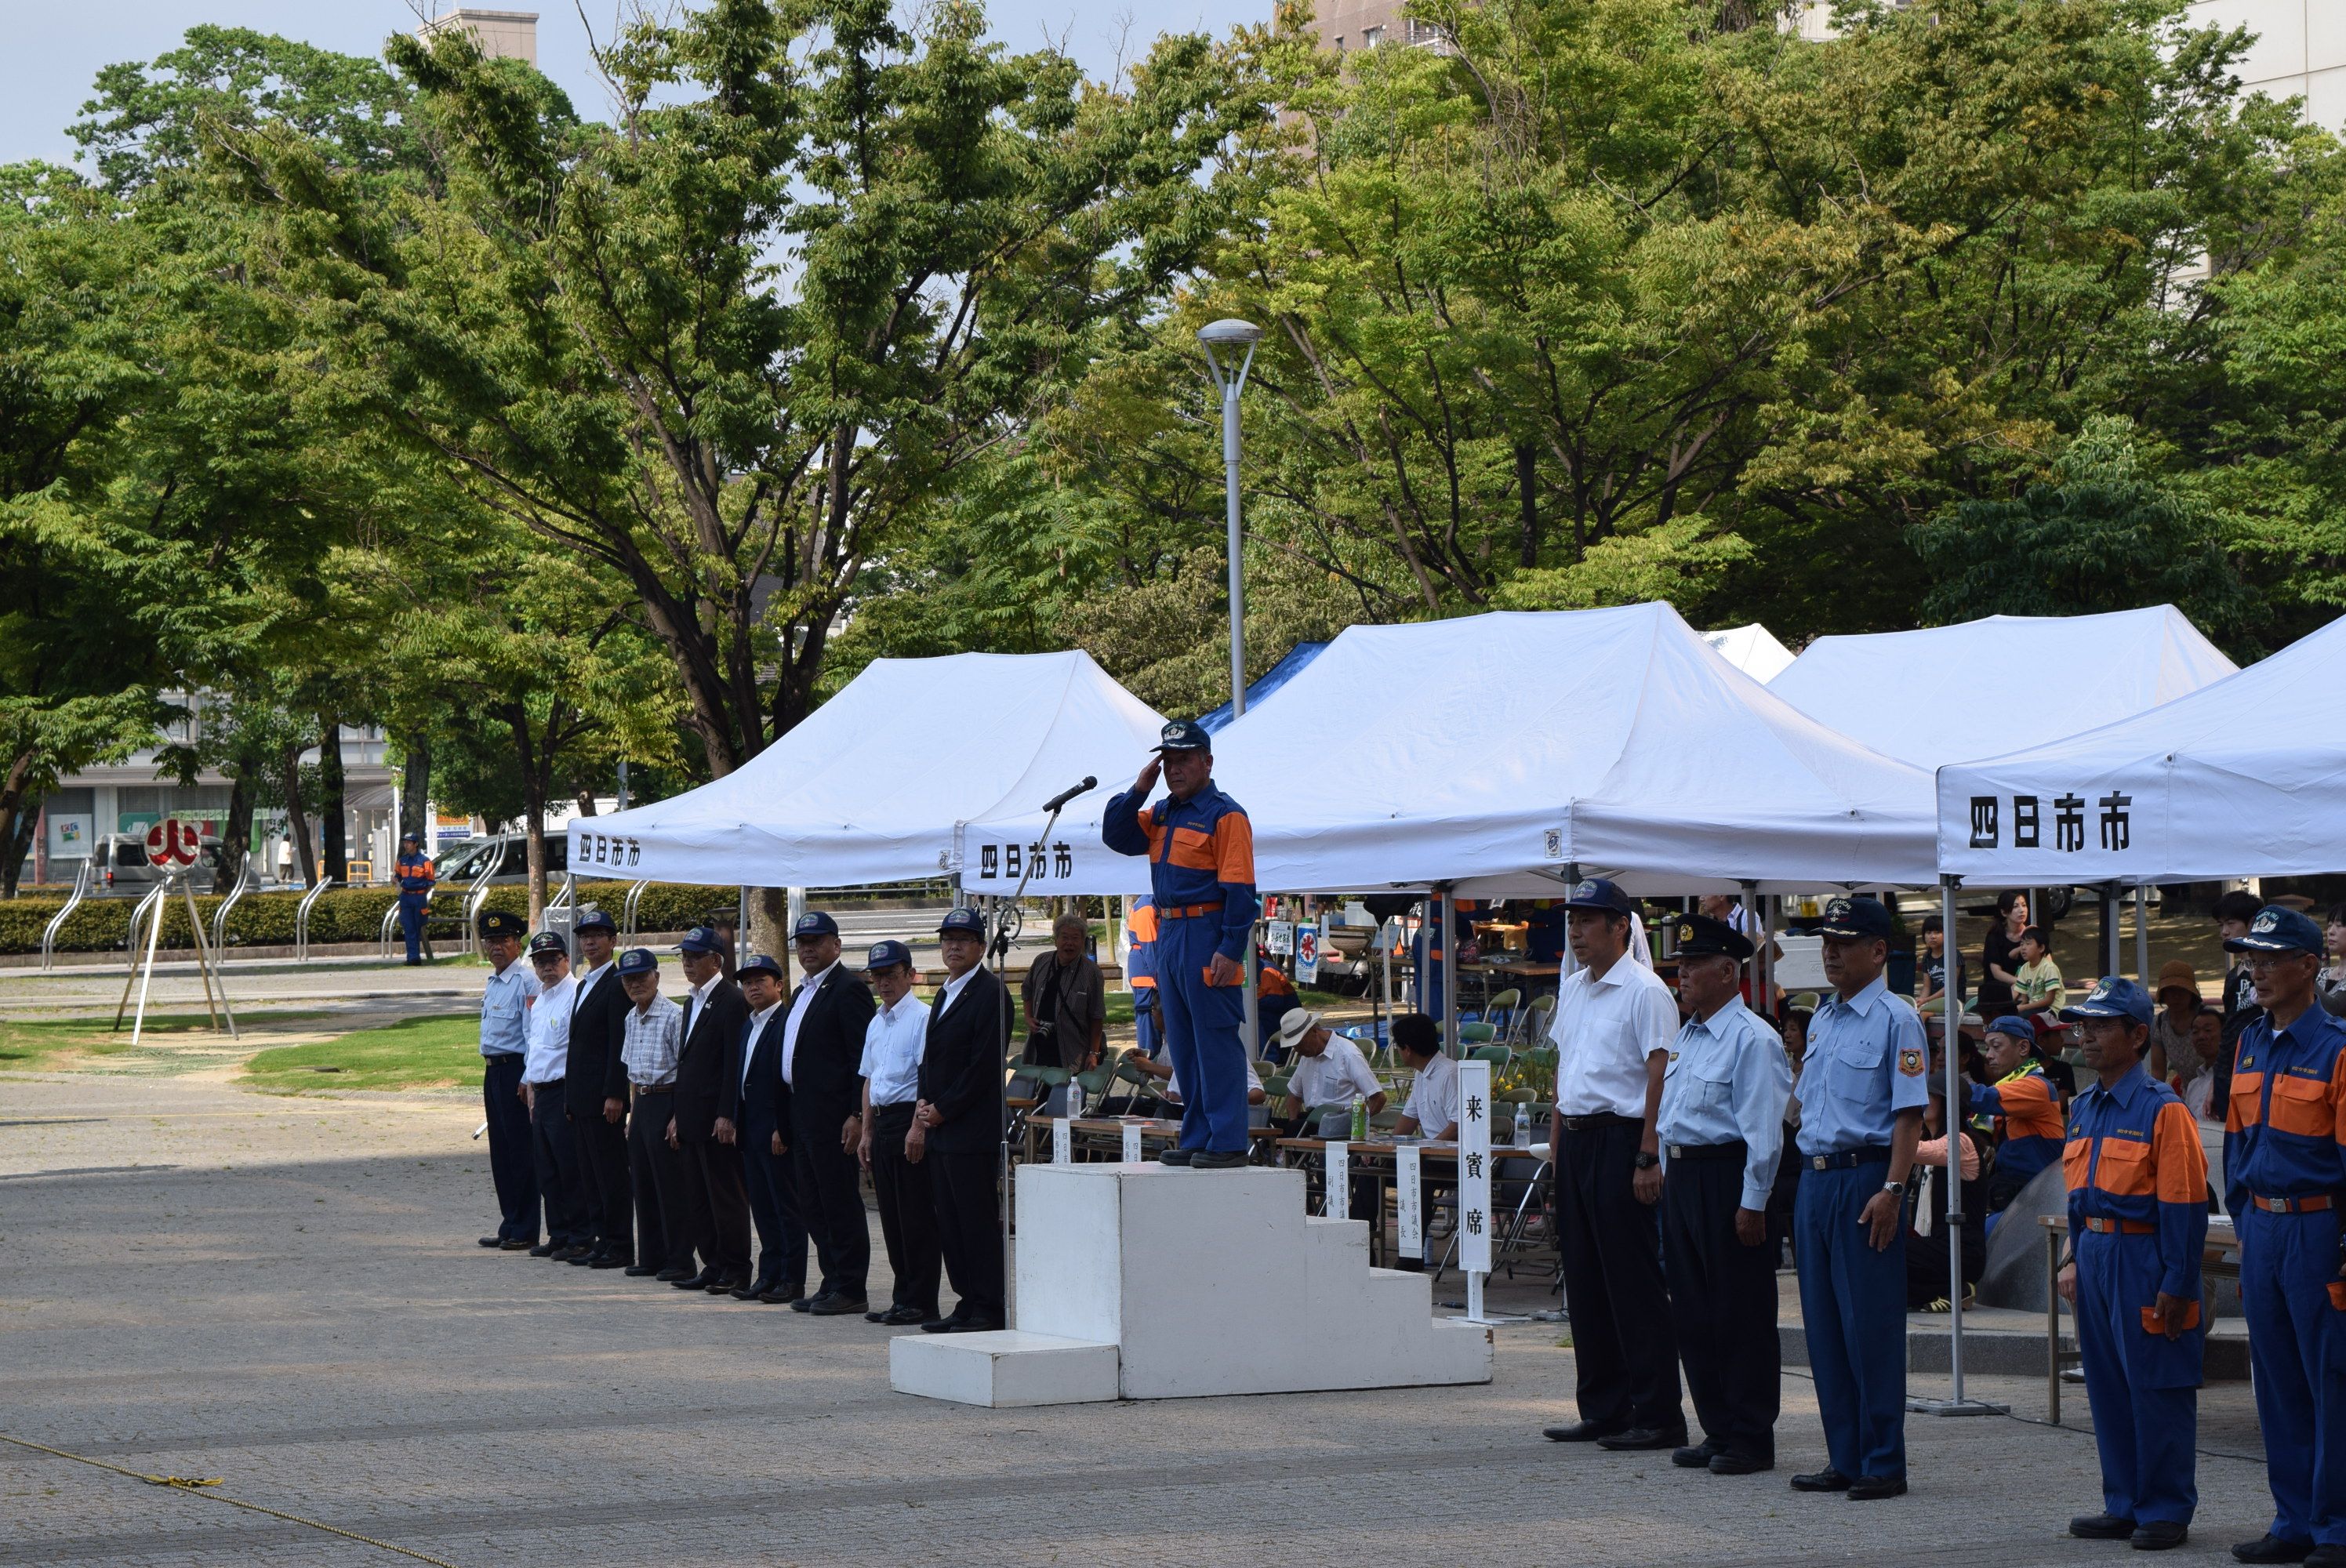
(1616, 740)
(1753, 649)
(1954, 694)
(876, 785)
(2243, 778)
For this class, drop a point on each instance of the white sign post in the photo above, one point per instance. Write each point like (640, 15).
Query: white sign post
(1307, 954)
(1340, 1190)
(1409, 1194)
(1063, 1140)
(1131, 1142)
(1474, 1182)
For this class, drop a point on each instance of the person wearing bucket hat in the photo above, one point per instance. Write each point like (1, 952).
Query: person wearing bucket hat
(957, 1127)
(2284, 1173)
(506, 1001)
(1200, 850)
(596, 1099)
(2025, 1103)
(2137, 1183)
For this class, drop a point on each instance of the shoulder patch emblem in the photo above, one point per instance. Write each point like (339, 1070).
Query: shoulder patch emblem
(1909, 1062)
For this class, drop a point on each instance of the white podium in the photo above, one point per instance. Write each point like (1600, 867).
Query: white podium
(1149, 1282)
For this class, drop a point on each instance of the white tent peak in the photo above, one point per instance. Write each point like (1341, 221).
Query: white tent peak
(1951, 694)
(1753, 649)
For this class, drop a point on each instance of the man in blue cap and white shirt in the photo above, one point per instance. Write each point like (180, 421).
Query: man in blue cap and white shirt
(2284, 1173)
(505, 1003)
(2137, 1183)
(893, 1044)
(1862, 1088)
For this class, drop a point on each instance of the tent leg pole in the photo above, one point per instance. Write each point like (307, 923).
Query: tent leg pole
(1442, 944)
(2142, 936)
(1956, 1404)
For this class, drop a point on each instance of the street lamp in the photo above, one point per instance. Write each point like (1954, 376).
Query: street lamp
(1229, 335)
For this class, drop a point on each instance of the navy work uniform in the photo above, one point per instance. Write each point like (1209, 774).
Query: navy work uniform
(1866, 1064)
(1140, 973)
(2283, 1174)
(1721, 1126)
(413, 873)
(1201, 873)
(2137, 1183)
(505, 1001)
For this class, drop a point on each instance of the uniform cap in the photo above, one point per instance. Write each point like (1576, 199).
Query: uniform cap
(1706, 936)
(759, 963)
(2017, 1028)
(499, 922)
(1848, 919)
(639, 961)
(2279, 930)
(887, 954)
(2113, 996)
(547, 941)
(1181, 735)
(1596, 893)
(705, 938)
(963, 919)
(814, 923)
(592, 918)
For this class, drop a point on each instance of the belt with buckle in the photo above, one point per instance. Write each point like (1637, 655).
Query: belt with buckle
(666, 1088)
(2123, 1227)
(1848, 1159)
(1595, 1119)
(1190, 911)
(1734, 1151)
(2313, 1205)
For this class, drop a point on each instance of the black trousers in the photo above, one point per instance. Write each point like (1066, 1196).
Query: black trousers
(663, 1231)
(603, 1171)
(969, 1228)
(715, 1207)
(1722, 1304)
(510, 1165)
(768, 1182)
(554, 1151)
(831, 1194)
(908, 1214)
(1621, 1338)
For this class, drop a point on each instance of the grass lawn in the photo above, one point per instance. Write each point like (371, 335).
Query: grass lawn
(413, 1053)
(50, 1044)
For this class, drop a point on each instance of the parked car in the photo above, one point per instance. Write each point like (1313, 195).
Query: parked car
(119, 861)
(460, 865)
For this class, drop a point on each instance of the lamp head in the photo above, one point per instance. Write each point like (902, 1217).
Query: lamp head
(1228, 331)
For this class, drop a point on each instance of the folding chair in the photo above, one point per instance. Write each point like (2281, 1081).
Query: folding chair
(1505, 1010)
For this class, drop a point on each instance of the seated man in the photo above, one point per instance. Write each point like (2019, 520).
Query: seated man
(1327, 1072)
(2026, 1105)
(1169, 1082)
(1432, 1108)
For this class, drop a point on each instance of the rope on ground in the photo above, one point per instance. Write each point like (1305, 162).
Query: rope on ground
(196, 1487)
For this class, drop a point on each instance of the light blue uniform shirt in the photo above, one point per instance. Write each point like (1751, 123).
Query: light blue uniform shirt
(1729, 1079)
(1867, 1062)
(892, 1043)
(504, 1009)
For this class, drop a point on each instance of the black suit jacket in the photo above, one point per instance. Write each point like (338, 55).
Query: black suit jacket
(961, 1066)
(709, 1067)
(827, 1069)
(598, 1028)
(763, 1090)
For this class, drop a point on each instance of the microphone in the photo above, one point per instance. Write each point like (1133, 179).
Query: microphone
(1064, 796)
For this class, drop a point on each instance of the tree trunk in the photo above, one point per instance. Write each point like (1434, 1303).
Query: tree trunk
(332, 808)
(416, 790)
(586, 798)
(16, 812)
(1527, 485)
(536, 768)
(235, 835)
(297, 820)
(770, 920)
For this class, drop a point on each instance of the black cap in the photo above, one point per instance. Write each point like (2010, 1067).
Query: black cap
(638, 960)
(759, 964)
(546, 942)
(705, 938)
(1181, 735)
(963, 919)
(497, 922)
(1596, 893)
(814, 923)
(1855, 918)
(1702, 936)
(592, 918)
(2278, 928)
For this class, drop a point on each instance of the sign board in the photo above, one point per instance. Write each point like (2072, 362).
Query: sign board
(172, 844)
(1475, 1167)
(1131, 1143)
(1307, 953)
(1279, 936)
(70, 837)
(1409, 1194)
(1340, 1190)
(1063, 1140)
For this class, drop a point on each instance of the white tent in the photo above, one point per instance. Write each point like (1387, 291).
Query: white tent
(1951, 694)
(1753, 649)
(1614, 741)
(876, 784)
(2243, 778)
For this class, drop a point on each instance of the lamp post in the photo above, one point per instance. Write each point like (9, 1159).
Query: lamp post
(1231, 335)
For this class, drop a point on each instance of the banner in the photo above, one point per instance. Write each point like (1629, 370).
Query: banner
(1307, 954)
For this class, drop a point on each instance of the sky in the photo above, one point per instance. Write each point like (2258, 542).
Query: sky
(55, 50)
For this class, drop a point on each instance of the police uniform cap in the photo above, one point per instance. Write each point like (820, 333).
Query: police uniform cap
(2113, 996)
(759, 963)
(1597, 894)
(499, 922)
(1705, 936)
(546, 942)
(1182, 735)
(1855, 918)
(814, 923)
(963, 919)
(703, 939)
(592, 918)
(887, 954)
(638, 960)
(2277, 929)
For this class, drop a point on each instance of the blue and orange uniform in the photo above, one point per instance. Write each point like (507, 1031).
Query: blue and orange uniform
(2284, 1173)
(1201, 873)
(2137, 1183)
(1274, 996)
(1140, 973)
(2026, 1105)
(415, 876)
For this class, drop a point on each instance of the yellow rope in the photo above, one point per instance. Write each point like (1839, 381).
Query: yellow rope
(196, 1487)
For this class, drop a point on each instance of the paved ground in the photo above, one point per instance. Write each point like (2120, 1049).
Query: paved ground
(285, 1295)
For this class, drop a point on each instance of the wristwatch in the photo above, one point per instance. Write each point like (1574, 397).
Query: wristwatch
(1893, 1186)
(1646, 1162)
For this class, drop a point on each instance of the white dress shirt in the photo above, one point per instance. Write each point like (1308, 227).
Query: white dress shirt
(1604, 1031)
(757, 1022)
(547, 1058)
(953, 988)
(1434, 1097)
(1333, 1076)
(798, 1005)
(892, 1043)
(697, 998)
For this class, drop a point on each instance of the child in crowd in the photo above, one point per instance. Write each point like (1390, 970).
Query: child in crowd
(2037, 990)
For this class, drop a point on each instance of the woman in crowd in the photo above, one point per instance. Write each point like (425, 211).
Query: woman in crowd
(2000, 956)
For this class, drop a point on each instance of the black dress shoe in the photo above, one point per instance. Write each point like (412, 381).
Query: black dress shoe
(640, 1270)
(973, 1326)
(837, 1306)
(900, 1317)
(781, 1295)
(1578, 1432)
(515, 1244)
(611, 1260)
(701, 1281)
(1825, 1480)
(726, 1284)
(2100, 1527)
(2326, 1556)
(1870, 1488)
(671, 1275)
(1176, 1156)
(575, 1253)
(2159, 1534)
(1738, 1464)
(1639, 1438)
(805, 1303)
(586, 1256)
(1695, 1457)
(1217, 1160)
(943, 1325)
(752, 1290)
(493, 1241)
(2271, 1548)
(544, 1249)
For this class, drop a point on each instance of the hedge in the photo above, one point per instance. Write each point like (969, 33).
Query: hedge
(343, 915)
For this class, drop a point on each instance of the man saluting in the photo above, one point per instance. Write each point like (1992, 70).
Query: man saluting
(1200, 850)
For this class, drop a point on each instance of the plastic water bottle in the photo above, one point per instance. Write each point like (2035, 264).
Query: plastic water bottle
(1360, 1119)
(1523, 1127)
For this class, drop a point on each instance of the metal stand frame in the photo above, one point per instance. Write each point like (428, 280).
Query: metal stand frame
(216, 1002)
